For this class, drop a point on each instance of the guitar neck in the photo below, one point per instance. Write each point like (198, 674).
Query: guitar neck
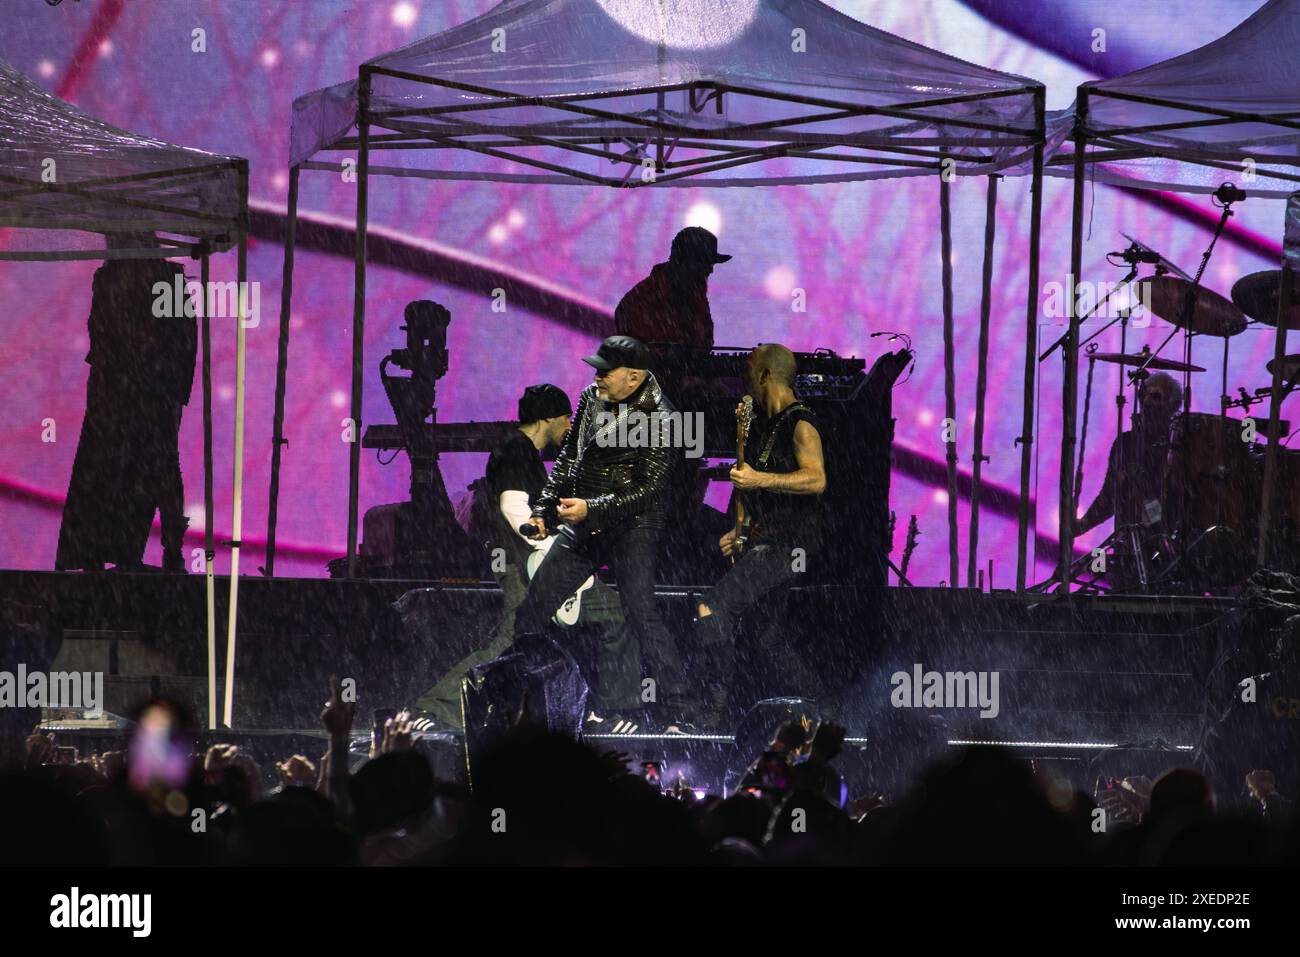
(736, 493)
(738, 500)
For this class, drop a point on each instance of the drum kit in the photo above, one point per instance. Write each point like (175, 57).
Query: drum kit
(1199, 535)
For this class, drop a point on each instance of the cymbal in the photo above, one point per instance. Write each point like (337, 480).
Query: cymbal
(1164, 265)
(1289, 366)
(1256, 295)
(1212, 315)
(1162, 365)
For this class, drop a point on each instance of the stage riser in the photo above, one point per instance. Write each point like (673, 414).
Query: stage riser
(1103, 669)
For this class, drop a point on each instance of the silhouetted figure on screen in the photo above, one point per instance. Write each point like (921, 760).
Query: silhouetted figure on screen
(141, 374)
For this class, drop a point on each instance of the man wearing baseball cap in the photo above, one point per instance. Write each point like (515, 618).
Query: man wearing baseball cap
(670, 309)
(671, 305)
(604, 503)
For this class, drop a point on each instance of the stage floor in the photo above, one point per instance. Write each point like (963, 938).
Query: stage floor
(1076, 678)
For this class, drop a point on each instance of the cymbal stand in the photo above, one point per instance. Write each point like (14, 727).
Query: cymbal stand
(1222, 472)
(1189, 307)
(1124, 537)
(1087, 408)
(1128, 278)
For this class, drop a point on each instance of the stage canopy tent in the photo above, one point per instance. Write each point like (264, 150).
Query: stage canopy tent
(1190, 122)
(719, 93)
(1228, 111)
(704, 90)
(61, 168)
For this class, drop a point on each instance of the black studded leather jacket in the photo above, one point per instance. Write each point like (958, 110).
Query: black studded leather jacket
(624, 484)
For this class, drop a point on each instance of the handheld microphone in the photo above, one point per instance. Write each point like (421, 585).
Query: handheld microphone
(528, 529)
(1228, 193)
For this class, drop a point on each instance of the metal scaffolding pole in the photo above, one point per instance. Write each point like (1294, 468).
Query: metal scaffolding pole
(949, 375)
(1031, 368)
(1269, 499)
(278, 440)
(209, 547)
(981, 376)
(1070, 354)
(358, 315)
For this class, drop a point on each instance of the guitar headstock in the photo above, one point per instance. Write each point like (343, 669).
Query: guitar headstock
(744, 418)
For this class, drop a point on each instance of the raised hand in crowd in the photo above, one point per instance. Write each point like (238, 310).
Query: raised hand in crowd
(398, 733)
(297, 771)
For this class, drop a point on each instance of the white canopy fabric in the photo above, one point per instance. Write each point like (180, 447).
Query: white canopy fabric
(798, 77)
(61, 168)
(1252, 71)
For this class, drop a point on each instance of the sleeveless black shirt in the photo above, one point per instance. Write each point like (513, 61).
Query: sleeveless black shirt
(780, 517)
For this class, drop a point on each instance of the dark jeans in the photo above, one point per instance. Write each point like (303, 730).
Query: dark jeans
(171, 502)
(765, 570)
(632, 553)
(612, 650)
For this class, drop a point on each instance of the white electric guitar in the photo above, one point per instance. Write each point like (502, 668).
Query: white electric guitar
(568, 613)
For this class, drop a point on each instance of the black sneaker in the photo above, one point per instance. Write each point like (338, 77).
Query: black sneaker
(610, 724)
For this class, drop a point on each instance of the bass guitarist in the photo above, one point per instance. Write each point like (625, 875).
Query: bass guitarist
(780, 482)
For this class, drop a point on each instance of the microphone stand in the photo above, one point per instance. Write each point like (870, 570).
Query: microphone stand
(1189, 305)
(1087, 407)
(1128, 278)
(1184, 322)
(1123, 315)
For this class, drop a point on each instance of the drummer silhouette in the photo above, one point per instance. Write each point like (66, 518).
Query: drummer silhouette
(1133, 494)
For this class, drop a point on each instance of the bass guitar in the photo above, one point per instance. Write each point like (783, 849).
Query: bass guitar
(744, 418)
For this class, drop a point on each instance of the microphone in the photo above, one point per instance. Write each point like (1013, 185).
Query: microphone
(528, 529)
(1136, 255)
(1228, 193)
(893, 337)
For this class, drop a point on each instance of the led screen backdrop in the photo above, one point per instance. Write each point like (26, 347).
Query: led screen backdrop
(865, 255)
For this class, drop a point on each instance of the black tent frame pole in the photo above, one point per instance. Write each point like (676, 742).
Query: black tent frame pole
(1070, 354)
(949, 374)
(1287, 287)
(209, 546)
(278, 440)
(981, 378)
(358, 315)
(1031, 368)
(208, 505)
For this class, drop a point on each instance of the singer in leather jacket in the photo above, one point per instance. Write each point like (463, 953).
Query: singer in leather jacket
(624, 487)
(607, 492)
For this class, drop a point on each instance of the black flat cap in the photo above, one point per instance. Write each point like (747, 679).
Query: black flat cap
(620, 351)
